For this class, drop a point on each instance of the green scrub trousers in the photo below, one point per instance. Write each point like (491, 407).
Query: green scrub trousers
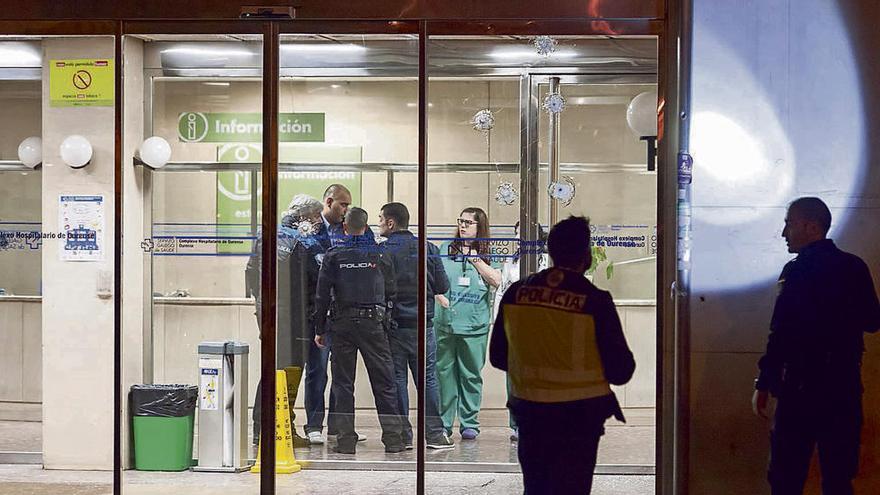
(462, 342)
(460, 361)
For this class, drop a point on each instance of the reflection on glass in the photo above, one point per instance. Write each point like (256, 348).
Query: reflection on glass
(499, 165)
(202, 96)
(348, 125)
(21, 249)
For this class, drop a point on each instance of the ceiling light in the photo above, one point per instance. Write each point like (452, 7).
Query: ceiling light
(19, 56)
(323, 48)
(524, 54)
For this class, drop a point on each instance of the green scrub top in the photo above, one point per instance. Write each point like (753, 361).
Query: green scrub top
(470, 298)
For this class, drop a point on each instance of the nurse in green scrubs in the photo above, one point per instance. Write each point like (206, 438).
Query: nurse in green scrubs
(462, 321)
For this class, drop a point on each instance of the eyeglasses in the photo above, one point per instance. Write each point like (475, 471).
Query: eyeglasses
(464, 222)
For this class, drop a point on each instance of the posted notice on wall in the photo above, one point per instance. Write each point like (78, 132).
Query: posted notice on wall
(82, 228)
(82, 83)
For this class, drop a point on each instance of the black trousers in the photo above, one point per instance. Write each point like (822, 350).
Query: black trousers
(557, 449)
(802, 423)
(350, 335)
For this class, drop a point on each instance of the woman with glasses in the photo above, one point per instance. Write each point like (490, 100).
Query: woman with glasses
(462, 321)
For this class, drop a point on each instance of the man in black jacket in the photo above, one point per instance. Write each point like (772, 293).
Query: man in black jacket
(361, 281)
(402, 247)
(826, 302)
(560, 341)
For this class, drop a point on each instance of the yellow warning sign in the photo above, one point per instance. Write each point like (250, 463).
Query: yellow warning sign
(81, 83)
(285, 463)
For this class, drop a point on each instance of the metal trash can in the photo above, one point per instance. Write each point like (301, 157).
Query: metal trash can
(223, 406)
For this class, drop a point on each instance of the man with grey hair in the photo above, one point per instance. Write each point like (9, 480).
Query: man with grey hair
(299, 252)
(826, 302)
(362, 282)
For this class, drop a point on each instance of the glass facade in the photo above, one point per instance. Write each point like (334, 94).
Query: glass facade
(348, 129)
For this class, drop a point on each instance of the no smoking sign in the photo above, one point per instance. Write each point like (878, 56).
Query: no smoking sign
(81, 82)
(82, 79)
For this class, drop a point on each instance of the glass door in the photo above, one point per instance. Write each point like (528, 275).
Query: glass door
(489, 163)
(188, 98)
(593, 163)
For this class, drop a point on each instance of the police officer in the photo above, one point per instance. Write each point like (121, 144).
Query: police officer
(336, 200)
(362, 283)
(560, 341)
(812, 366)
(402, 248)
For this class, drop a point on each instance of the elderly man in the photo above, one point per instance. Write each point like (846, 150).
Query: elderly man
(298, 253)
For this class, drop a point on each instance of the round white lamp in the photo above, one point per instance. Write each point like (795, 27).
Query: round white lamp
(30, 151)
(76, 151)
(155, 152)
(641, 114)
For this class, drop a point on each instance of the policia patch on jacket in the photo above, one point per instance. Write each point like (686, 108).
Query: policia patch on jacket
(550, 298)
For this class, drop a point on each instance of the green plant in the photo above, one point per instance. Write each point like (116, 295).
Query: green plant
(600, 256)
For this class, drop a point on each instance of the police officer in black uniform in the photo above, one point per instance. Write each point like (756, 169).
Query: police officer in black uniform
(812, 365)
(361, 281)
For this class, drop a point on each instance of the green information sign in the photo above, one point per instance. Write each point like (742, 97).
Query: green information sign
(81, 83)
(234, 187)
(198, 127)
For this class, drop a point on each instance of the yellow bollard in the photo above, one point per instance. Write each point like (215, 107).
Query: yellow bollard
(285, 463)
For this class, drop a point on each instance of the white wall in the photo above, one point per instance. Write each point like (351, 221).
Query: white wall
(77, 325)
(784, 105)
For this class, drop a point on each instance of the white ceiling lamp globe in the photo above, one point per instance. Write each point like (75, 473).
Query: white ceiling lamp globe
(641, 114)
(76, 151)
(155, 152)
(30, 151)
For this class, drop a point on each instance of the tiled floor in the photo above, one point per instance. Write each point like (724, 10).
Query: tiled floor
(623, 444)
(32, 480)
(632, 443)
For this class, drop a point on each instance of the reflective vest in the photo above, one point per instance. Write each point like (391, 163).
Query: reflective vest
(552, 351)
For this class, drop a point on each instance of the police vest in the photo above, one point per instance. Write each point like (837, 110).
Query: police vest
(552, 351)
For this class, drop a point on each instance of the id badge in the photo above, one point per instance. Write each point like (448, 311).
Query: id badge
(464, 281)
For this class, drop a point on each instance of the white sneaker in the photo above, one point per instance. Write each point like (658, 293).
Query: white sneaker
(316, 438)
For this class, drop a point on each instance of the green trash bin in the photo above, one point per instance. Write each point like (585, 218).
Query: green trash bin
(162, 426)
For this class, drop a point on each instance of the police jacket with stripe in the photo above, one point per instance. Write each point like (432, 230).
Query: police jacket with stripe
(354, 274)
(560, 339)
(402, 248)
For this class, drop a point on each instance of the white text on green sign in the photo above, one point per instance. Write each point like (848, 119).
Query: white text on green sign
(223, 127)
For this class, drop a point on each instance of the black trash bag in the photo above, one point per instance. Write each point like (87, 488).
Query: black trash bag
(163, 401)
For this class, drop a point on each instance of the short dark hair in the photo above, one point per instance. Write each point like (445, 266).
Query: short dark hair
(569, 241)
(814, 210)
(356, 218)
(398, 213)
